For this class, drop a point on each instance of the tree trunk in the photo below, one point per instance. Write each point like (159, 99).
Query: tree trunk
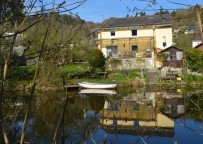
(5, 69)
(198, 12)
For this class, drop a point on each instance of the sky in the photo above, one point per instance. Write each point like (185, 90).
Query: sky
(99, 10)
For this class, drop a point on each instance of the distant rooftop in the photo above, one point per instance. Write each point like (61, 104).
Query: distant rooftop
(137, 21)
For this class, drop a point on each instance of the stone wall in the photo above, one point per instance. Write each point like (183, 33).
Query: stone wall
(134, 63)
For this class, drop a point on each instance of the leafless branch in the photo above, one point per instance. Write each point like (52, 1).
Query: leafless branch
(179, 3)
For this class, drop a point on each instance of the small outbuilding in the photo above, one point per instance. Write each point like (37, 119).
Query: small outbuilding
(174, 56)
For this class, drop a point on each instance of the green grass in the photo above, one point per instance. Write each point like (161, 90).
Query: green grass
(113, 76)
(29, 68)
(116, 75)
(20, 71)
(73, 68)
(194, 78)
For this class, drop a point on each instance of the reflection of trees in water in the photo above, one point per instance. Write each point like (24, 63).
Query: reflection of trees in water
(44, 115)
(50, 111)
(193, 112)
(14, 106)
(190, 104)
(82, 121)
(66, 116)
(96, 102)
(195, 106)
(63, 113)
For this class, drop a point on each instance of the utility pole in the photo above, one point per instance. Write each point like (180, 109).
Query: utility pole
(198, 12)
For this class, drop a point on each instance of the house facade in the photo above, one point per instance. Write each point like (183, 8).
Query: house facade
(135, 37)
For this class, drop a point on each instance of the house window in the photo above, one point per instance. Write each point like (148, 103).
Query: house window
(134, 47)
(172, 55)
(112, 51)
(164, 44)
(113, 33)
(134, 32)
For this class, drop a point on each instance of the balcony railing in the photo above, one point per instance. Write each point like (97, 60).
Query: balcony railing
(133, 54)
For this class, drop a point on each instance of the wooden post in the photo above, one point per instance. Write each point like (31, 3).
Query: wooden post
(198, 12)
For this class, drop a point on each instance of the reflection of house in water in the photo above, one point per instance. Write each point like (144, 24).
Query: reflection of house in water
(133, 116)
(173, 102)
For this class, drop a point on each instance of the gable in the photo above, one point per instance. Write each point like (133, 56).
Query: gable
(171, 49)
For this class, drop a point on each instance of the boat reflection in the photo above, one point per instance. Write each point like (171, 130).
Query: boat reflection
(98, 91)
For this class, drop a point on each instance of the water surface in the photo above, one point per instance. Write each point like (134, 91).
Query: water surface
(152, 116)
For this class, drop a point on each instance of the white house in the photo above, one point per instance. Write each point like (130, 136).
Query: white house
(133, 37)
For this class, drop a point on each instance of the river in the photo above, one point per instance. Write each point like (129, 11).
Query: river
(150, 115)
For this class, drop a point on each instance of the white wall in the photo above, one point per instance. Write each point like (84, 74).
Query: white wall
(161, 121)
(104, 51)
(99, 36)
(161, 35)
(179, 55)
(126, 34)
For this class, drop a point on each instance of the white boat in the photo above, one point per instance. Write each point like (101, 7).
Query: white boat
(97, 85)
(98, 91)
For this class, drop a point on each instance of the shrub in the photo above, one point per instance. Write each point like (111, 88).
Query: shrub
(96, 59)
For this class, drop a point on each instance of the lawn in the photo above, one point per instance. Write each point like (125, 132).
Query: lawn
(113, 76)
(80, 74)
(21, 72)
(74, 68)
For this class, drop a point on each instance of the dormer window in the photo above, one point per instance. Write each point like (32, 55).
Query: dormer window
(134, 32)
(113, 33)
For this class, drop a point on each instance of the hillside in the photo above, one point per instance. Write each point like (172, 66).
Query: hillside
(185, 28)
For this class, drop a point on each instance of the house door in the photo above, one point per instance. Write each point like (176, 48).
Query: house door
(112, 51)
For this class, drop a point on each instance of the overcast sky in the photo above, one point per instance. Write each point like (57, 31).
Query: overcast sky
(99, 10)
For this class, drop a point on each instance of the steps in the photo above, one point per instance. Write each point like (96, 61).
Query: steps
(153, 75)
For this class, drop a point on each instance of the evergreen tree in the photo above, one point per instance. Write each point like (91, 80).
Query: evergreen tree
(96, 59)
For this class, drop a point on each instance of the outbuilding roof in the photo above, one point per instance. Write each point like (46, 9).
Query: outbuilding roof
(137, 21)
(197, 46)
(171, 47)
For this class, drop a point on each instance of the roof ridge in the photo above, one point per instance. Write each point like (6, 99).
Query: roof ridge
(137, 21)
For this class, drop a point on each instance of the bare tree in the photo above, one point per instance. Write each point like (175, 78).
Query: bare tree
(14, 17)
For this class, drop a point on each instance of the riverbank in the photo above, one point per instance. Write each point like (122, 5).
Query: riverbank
(133, 83)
